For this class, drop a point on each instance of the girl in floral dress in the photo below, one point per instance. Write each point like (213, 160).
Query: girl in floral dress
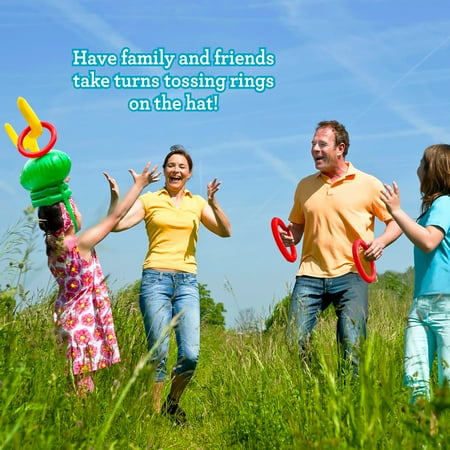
(83, 310)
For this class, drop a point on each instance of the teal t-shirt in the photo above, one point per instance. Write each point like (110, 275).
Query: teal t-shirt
(432, 270)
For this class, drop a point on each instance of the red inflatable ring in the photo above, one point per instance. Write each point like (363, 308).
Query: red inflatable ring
(369, 278)
(42, 152)
(291, 253)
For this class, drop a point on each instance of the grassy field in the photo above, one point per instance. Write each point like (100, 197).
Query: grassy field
(250, 390)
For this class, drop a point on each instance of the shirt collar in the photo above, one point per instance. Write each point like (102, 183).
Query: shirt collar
(164, 191)
(351, 172)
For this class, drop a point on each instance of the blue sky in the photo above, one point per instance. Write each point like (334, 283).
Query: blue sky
(378, 66)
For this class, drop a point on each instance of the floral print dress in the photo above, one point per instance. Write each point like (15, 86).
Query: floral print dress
(83, 311)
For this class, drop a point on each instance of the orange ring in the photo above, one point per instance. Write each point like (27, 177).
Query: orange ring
(42, 152)
(369, 278)
(291, 254)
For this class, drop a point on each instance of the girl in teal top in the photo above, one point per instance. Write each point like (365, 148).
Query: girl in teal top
(428, 328)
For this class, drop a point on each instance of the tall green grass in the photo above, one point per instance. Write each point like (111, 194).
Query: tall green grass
(250, 391)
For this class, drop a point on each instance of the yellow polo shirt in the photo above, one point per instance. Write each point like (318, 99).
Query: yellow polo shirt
(172, 232)
(334, 215)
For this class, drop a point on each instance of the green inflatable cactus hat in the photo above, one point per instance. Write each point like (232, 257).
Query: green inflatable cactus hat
(46, 171)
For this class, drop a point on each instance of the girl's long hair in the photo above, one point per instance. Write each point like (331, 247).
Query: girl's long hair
(51, 221)
(435, 180)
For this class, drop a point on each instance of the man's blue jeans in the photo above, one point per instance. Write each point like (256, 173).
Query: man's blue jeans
(349, 296)
(427, 335)
(163, 296)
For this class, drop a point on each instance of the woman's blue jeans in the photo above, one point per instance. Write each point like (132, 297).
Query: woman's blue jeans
(349, 296)
(427, 335)
(164, 296)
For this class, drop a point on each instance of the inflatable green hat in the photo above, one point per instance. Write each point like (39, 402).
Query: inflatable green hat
(46, 172)
(45, 178)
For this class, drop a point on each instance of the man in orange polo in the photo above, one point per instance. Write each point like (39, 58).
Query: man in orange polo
(332, 208)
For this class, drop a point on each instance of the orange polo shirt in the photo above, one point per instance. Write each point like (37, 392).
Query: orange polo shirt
(172, 232)
(334, 215)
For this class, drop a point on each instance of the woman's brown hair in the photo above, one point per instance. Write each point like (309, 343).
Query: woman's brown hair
(179, 150)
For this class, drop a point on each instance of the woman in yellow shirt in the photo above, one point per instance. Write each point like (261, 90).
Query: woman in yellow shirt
(169, 287)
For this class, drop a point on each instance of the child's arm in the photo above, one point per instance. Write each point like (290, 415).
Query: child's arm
(88, 239)
(425, 238)
(114, 192)
(135, 214)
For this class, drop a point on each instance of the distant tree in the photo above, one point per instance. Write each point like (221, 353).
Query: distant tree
(396, 283)
(211, 312)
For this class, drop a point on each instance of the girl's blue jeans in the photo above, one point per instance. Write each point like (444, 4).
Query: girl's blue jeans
(164, 296)
(349, 296)
(427, 336)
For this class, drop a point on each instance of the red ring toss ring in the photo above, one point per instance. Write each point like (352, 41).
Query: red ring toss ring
(289, 253)
(42, 152)
(368, 277)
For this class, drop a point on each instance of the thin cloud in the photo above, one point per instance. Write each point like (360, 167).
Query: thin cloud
(387, 95)
(404, 111)
(278, 165)
(343, 54)
(86, 21)
(7, 188)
